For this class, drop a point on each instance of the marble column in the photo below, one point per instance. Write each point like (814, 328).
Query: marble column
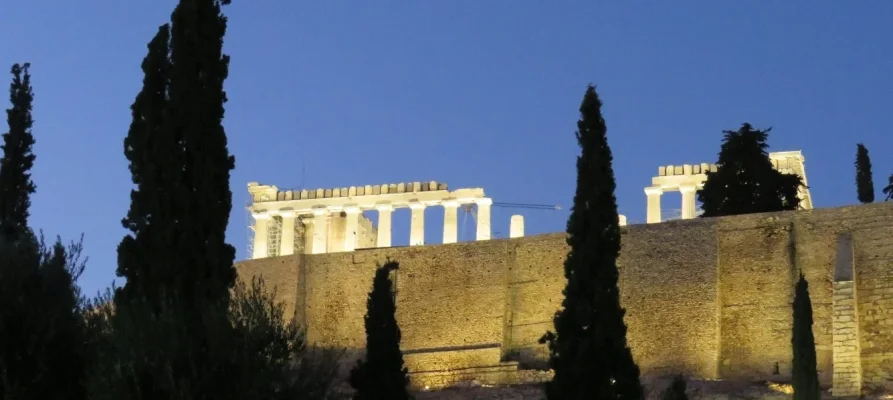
(516, 226)
(261, 228)
(287, 236)
(653, 194)
(450, 221)
(320, 230)
(384, 225)
(688, 201)
(483, 218)
(417, 225)
(350, 227)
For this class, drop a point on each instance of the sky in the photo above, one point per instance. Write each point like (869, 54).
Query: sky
(472, 93)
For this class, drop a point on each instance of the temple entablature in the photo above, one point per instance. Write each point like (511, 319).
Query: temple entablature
(330, 220)
(689, 178)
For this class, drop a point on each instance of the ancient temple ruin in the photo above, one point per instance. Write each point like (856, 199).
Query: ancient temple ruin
(331, 220)
(689, 178)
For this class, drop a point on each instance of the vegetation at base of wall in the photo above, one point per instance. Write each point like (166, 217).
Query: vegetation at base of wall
(41, 331)
(745, 181)
(864, 184)
(805, 378)
(588, 349)
(676, 390)
(381, 374)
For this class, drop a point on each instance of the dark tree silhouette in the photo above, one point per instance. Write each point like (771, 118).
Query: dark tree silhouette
(888, 190)
(42, 336)
(381, 375)
(746, 182)
(864, 184)
(588, 349)
(16, 186)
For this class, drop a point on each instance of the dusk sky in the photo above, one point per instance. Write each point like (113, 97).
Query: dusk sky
(480, 93)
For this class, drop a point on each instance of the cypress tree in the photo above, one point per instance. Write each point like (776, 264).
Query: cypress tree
(156, 169)
(746, 182)
(16, 186)
(42, 354)
(588, 349)
(172, 326)
(180, 163)
(381, 375)
(864, 184)
(805, 378)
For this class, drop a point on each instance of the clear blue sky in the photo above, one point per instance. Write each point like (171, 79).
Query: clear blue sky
(472, 93)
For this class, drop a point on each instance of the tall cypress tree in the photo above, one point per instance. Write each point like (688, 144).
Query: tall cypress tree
(381, 375)
(746, 182)
(156, 165)
(172, 322)
(588, 349)
(16, 186)
(864, 184)
(42, 354)
(805, 377)
(181, 165)
(198, 70)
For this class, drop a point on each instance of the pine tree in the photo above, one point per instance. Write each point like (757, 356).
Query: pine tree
(588, 349)
(746, 182)
(805, 378)
(42, 353)
(16, 186)
(864, 184)
(381, 375)
(676, 390)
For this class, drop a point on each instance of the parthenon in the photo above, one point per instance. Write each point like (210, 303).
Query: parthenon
(688, 179)
(330, 220)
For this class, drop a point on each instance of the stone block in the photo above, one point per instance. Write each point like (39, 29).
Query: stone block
(336, 192)
(401, 187)
(678, 170)
(352, 191)
(392, 188)
(662, 171)
(328, 193)
(368, 189)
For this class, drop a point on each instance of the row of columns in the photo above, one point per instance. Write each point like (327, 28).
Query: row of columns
(319, 239)
(689, 206)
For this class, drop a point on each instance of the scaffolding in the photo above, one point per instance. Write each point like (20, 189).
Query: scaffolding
(250, 234)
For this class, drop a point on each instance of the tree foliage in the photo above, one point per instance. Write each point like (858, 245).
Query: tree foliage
(16, 186)
(804, 374)
(745, 181)
(42, 336)
(588, 349)
(864, 184)
(381, 375)
(888, 190)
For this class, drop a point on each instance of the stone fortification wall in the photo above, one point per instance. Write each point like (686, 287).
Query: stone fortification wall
(710, 297)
